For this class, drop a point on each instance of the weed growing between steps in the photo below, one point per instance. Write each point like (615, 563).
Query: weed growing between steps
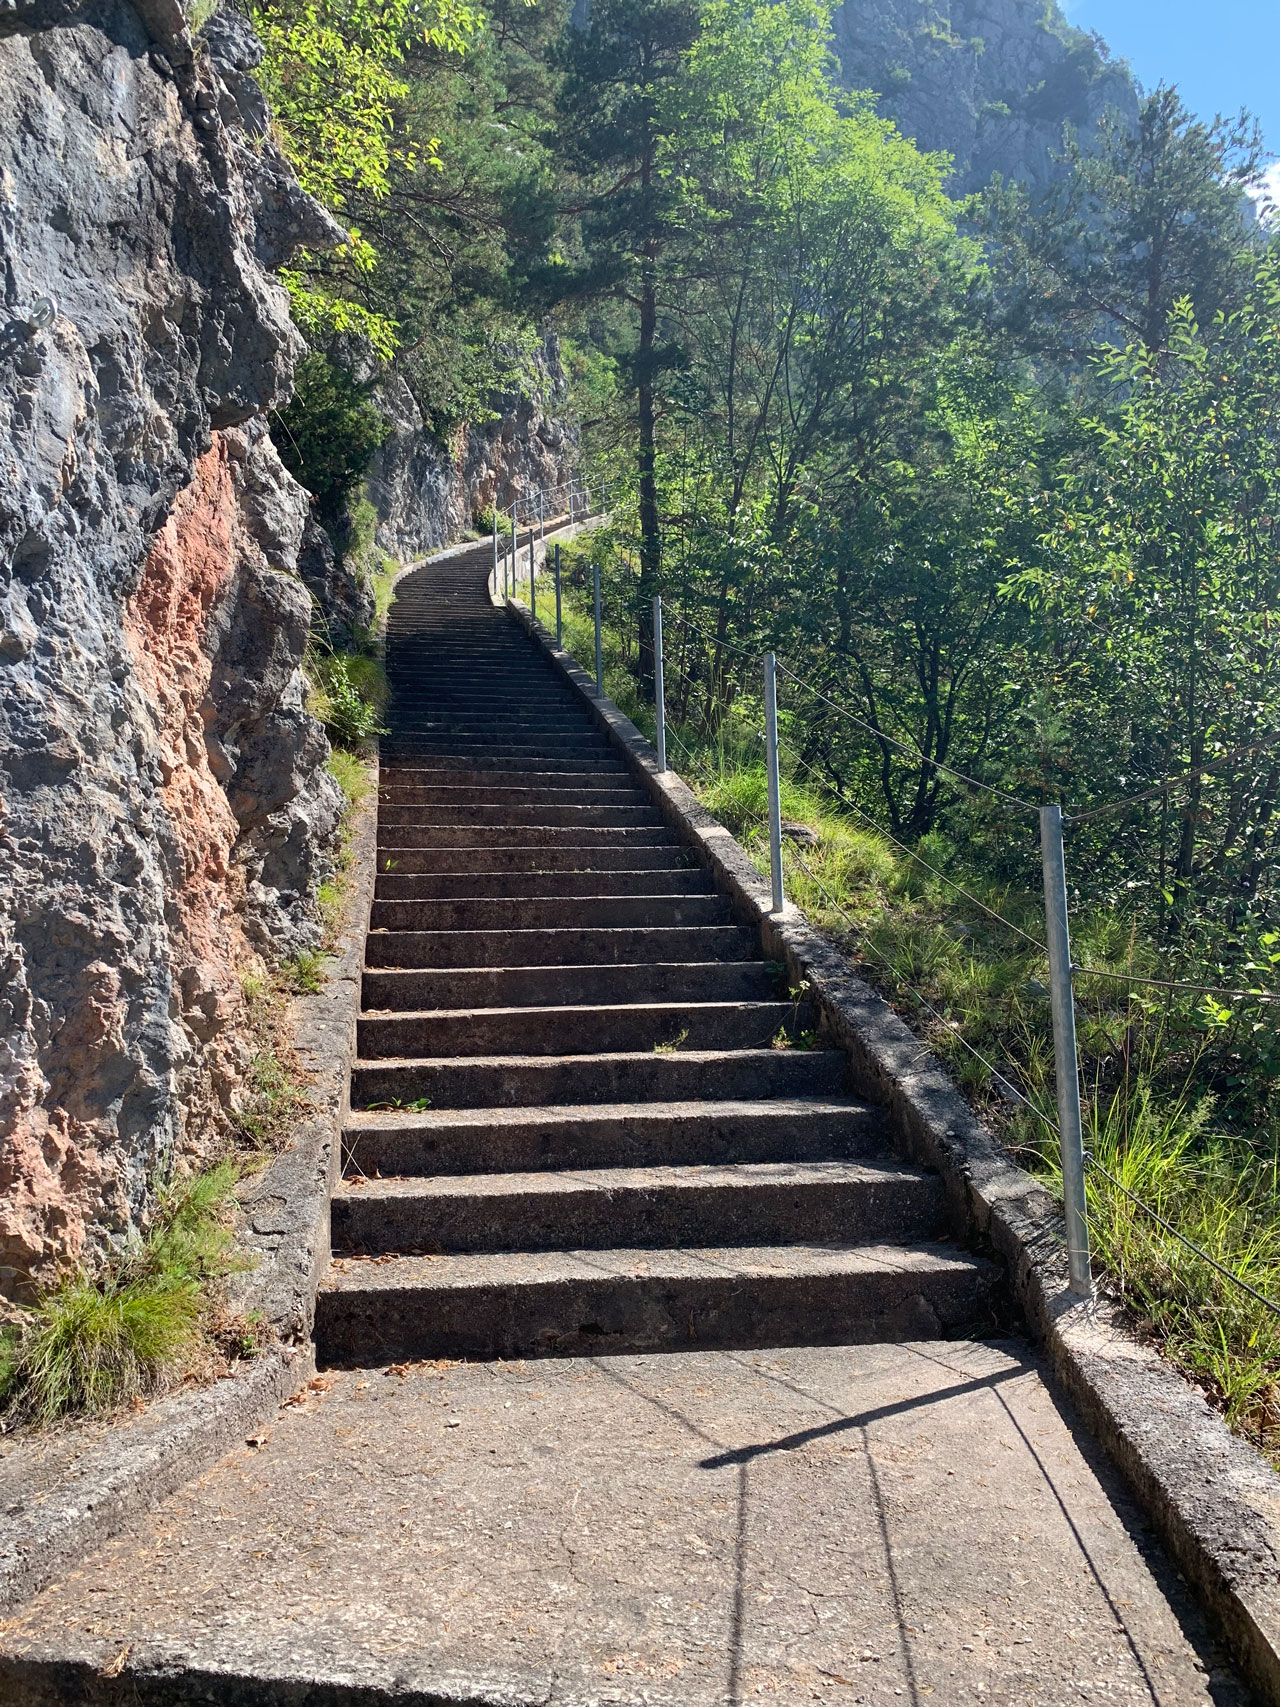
(152, 1317)
(1152, 1101)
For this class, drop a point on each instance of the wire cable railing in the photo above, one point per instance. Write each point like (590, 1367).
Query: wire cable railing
(1067, 1129)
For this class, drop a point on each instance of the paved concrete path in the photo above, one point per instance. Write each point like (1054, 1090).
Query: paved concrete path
(879, 1524)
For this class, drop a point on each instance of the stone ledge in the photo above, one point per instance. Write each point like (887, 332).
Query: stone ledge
(78, 1486)
(1214, 1501)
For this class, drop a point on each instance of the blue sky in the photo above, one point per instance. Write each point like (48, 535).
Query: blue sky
(1222, 56)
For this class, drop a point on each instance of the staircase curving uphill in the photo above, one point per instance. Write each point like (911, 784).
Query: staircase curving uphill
(583, 1116)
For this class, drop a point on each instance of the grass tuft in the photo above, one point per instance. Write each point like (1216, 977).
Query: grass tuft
(94, 1343)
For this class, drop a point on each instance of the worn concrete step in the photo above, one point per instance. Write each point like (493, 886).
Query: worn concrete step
(615, 912)
(525, 1081)
(409, 739)
(481, 773)
(524, 835)
(536, 885)
(522, 1140)
(579, 1030)
(545, 791)
(639, 815)
(587, 741)
(401, 991)
(741, 1203)
(454, 860)
(499, 729)
(531, 1304)
(566, 947)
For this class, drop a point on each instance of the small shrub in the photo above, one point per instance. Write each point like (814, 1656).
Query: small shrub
(348, 694)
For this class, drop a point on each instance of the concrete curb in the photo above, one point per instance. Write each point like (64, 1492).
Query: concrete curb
(70, 1491)
(1214, 1501)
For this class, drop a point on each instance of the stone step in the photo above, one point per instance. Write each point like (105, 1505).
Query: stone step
(557, 774)
(501, 729)
(536, 885)
(638, 816)
(743, 1203)
(525, 835)
(424, 745)
(524, 1081)
(567, 947)
(522, 1140)
(579, 1030)
(453, 860)
(537, 1304)
(545, 913)
(425, 798)
(402, 991)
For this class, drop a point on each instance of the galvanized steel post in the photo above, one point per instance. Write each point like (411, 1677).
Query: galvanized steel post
(495, 550)
(512, 565)
(775, 792)
(595, 585)
(559, 621)
(659, 704)
(1066, 1068)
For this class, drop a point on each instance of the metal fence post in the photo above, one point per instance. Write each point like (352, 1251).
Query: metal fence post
(533, 591)
(775, 792)
(559, 621)
(1062, 1001)
(659, 702)
(512, 564)
(495, 545)
(595, 585)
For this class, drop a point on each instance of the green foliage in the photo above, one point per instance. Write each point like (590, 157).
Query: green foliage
(327, 433)
(304, 972)
(348, 695)
(352, 773)
(96, 1342)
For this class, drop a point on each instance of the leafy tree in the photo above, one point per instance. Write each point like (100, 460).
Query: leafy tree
(327, 433)
(616, 110)
(1166, 542)
(1146, 215)
(333, 71)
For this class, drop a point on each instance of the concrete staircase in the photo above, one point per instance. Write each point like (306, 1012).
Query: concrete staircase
(586, 1113)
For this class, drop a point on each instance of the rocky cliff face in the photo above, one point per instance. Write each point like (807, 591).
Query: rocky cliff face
(991, 82)
(165, 810)
(426, 494)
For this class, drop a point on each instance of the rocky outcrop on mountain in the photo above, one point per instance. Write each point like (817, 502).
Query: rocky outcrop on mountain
(165, 812)
(991, 82)
(427, 493)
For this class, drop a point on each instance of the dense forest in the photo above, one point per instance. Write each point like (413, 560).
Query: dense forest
(997, 478)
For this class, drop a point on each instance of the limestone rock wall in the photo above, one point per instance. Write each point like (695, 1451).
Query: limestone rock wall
(426, 494)
(989, 81)
(164, 807)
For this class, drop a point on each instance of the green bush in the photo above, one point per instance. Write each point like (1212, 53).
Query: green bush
(348, 695)
(328, 432)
